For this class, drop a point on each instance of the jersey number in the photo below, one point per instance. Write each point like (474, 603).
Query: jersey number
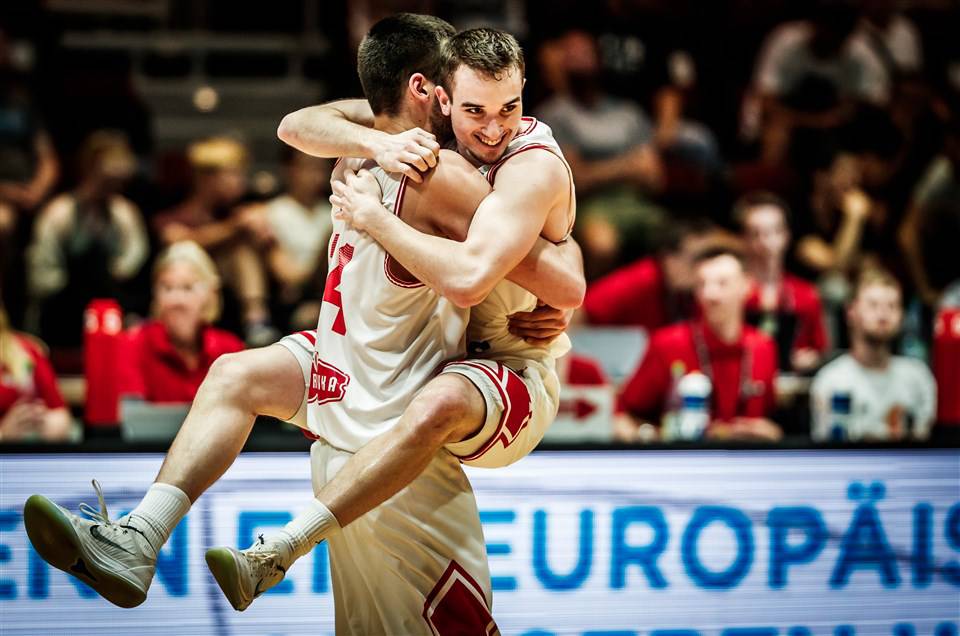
(330, 290)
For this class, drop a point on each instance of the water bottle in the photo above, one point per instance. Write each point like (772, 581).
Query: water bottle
(693, 418)
(841, 406)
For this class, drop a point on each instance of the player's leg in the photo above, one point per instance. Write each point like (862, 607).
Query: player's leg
(417, 563)
(449, 409)
(117, 558)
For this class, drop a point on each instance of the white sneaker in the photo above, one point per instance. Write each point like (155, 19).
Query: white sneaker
(243, 575)
(112, 557)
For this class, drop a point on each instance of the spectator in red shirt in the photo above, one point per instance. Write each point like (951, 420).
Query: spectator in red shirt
(785, 307)
(166, 359)
(31, 406)
(655, 291)
(739, 360)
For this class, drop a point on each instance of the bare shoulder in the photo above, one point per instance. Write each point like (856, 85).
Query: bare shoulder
(538, 166)
(447, 198)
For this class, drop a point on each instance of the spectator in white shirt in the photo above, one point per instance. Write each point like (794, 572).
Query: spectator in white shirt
(869, 394)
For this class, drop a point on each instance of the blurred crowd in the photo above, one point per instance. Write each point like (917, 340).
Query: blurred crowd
(784, 216)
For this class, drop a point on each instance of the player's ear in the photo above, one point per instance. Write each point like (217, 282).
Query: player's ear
(444, 100)
(419, 87)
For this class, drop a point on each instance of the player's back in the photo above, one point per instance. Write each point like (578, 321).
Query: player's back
(381, 335)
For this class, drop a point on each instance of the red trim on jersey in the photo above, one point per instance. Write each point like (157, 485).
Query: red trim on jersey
(310, 335)
(516, 404)
(389, 261)
(531, 124)
(333, 243)
(457, 605)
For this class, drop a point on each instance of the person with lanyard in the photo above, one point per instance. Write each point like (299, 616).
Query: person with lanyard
(739, 361)
(784, 306)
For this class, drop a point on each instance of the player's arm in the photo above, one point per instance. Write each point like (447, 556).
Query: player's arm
(503, 231)
(345, 129)
(445, 204)
(553, 273)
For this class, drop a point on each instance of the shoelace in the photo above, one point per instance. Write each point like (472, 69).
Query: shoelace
(101, 515)
(264, 561)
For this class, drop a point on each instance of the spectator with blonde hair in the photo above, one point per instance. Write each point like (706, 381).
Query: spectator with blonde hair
(31, 407)
(210, 217)
(166, 358)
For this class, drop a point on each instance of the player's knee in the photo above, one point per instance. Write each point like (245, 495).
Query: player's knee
(229, 376)
(444, 414)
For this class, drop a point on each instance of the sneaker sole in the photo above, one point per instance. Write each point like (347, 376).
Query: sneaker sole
(56, 541)
(223, 566)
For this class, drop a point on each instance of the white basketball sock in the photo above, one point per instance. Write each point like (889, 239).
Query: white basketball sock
(307, 529)
(159, 513)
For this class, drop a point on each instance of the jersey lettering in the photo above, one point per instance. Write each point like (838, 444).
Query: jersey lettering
(327, 382)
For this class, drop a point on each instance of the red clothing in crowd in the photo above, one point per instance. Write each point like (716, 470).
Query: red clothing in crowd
(41, 386)
(152, 369)
(673, 351)
(583, 371)
(800, 299)
(636, 296)
(946, 366)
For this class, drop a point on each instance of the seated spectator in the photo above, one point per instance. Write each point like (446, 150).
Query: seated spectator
(28, 171)
(869, 393)
(87, 242)
(231, 236)
(608, 143)
(930, 231)
(809, 74)
(785, 307)
(655, 291)
(166, 359)
(299, 219)
(739, 361)
(839, 234)
(31, 407)
(892, 36)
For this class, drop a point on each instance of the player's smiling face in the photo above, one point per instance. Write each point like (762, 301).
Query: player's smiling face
(484, 111)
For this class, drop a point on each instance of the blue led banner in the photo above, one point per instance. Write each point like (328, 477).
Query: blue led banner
(671, 543)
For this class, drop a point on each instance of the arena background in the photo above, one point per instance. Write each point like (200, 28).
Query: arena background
(590, 535)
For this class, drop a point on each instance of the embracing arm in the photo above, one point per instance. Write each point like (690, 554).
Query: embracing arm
(345, 129)
(503, 231)
(553, 273)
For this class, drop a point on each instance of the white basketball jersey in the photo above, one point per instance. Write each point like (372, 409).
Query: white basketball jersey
(382, 335)
(487, 333)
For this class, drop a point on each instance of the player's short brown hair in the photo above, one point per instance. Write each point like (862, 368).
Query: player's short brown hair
(394, 49)
(490, 52)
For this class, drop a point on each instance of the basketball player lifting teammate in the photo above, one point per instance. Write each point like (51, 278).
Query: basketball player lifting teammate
(450, 411)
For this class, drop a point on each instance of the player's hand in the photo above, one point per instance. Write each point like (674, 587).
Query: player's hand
(541, 326)
(411, 152)
(357, 199)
